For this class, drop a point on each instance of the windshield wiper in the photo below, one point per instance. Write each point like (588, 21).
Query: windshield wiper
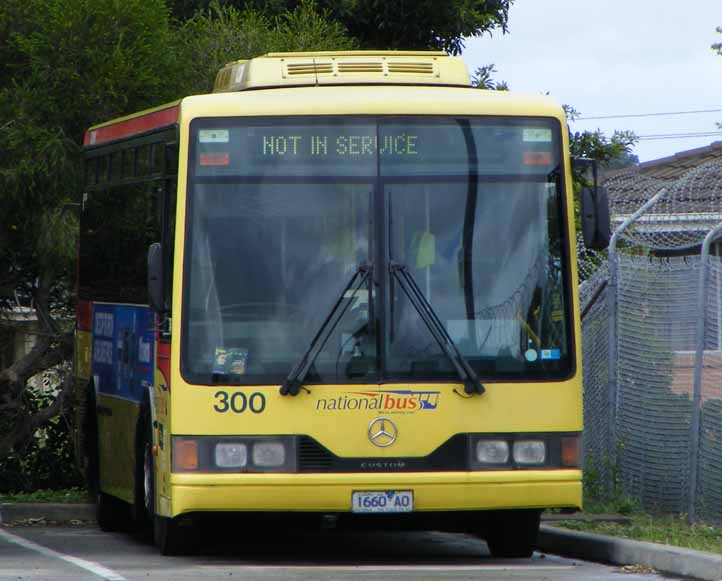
(293, 383)
(468, 376)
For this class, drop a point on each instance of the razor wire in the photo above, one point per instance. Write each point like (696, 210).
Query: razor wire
(644, 429)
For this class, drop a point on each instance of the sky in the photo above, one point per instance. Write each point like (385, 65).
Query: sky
(616, 57)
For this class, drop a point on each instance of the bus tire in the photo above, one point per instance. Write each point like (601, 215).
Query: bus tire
(513, 534)
(172, 536)
(144, 496)
(111, 513)
(175, 536)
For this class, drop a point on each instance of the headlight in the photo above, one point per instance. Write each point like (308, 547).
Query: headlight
(529, 452)
(269, 454)
(526, 451)
(208, 454)
(492, 452)
(231, 455)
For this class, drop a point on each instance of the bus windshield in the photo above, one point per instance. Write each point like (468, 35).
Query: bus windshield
(282, 212)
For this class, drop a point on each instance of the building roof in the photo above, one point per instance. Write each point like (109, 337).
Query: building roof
(674, 166)
(690, 207)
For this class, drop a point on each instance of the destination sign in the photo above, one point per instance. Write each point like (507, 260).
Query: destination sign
(342, 145)
(358, 149)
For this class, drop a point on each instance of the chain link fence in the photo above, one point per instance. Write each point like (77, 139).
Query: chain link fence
(652, 345)
(595, 333)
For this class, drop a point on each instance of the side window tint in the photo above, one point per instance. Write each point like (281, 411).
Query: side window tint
(91, 168)
(128, 162)
(117, 225)
(143, 160)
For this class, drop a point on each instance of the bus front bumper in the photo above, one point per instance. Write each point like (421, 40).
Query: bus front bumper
(331, 493)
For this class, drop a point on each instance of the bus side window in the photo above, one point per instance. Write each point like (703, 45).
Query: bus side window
(117, 225)
(167, 206)
(91, 171)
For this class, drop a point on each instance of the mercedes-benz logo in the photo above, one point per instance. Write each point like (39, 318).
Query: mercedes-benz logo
(382, 432)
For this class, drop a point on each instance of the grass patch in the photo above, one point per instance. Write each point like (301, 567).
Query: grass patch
(664, 529)
(66, 496)
(620, 504)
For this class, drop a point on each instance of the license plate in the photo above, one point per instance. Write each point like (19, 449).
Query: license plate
(382, 501)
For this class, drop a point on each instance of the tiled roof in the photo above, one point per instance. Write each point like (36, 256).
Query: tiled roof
(691, 206)
(672, 167)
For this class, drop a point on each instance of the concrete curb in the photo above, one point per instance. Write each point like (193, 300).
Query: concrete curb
(617, 551)
(49, 511)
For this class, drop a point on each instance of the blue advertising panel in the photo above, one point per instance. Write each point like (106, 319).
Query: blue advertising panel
(123, 344)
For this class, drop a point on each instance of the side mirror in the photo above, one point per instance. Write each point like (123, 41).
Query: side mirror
(596, 228)
(155, 277)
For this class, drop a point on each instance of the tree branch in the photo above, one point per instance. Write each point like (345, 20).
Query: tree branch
(25, 425)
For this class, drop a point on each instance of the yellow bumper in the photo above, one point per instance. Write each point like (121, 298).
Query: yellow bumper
(448, 491)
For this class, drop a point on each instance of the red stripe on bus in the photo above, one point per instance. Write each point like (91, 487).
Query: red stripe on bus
(134, 126)
(163, 361)
(84, 315)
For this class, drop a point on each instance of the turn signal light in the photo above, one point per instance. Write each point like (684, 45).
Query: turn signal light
(185, 454)
(571, 451)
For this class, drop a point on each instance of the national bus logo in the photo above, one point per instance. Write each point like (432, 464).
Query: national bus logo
(387, 400)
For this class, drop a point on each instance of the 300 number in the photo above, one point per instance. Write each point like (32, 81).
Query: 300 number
(239, 402)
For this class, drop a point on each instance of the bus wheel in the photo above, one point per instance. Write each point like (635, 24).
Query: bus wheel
(172, 536)
(144, 495)
(512, 534)
(148, 480)
(175, 536)
(112, 514)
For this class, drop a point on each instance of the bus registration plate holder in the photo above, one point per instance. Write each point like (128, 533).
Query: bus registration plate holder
(382, 501)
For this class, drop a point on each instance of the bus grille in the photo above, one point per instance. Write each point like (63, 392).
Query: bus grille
(452, 455)
(312, 456)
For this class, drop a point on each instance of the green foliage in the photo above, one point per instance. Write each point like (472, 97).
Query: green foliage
(63, 495)
(603, 489)
(482, 79)
(379, 24)
(223, 33)
(424, 24)
(609, 152)
(101, 56)
(67, 64)
(308, 28)
(666, 529)
(73, 63)
(596, 145)
(48, 461)
(614, 152)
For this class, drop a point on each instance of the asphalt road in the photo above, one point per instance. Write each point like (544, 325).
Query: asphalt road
(80, 553)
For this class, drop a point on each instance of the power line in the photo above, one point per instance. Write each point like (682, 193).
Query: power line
(679, 135)
(691, 112)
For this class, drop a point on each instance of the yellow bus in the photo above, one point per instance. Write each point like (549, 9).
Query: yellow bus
(342, 286)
